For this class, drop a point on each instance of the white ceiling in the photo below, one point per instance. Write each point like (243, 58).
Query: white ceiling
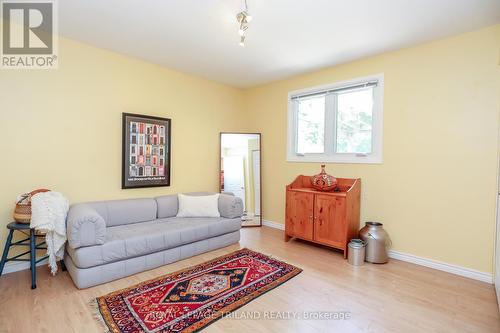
(285, 38)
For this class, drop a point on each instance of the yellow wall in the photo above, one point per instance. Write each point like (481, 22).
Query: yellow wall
(61, 129)
(435, 191)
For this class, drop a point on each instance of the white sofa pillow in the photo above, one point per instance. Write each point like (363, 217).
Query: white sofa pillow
(198, 206)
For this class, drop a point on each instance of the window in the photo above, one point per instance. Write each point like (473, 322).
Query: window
(341, 122)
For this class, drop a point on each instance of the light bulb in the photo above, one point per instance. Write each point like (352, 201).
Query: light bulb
(248, 17)
(242, 41)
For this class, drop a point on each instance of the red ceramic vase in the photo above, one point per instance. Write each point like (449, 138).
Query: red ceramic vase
(323, 181)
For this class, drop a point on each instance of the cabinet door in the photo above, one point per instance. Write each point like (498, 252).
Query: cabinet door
(330, 220)
(299, 214)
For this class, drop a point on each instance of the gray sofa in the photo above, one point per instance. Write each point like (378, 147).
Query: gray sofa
(108, 240)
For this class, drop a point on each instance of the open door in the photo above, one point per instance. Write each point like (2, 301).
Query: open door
(234, 176)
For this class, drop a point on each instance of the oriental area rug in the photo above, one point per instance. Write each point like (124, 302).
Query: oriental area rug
(190, 299)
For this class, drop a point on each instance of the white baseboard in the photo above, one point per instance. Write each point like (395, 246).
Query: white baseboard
(15, 266)
(442, 266)
(273, 224)
(449, 268)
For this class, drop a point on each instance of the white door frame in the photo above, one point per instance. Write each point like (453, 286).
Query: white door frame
(496, 249)
(256, 181)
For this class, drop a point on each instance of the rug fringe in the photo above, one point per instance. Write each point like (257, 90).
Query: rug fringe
(97, 315)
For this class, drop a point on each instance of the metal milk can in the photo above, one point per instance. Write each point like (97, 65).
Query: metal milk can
(377, 242)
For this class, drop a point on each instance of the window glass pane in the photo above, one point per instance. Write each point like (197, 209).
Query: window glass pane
(354, 121)
(311, 125)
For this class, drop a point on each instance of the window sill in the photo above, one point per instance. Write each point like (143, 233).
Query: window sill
(370, 159)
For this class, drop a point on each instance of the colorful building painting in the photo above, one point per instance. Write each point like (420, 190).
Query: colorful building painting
(147, 150)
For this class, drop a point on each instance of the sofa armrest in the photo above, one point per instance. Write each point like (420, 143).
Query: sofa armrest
(85, 227)
(230, 206)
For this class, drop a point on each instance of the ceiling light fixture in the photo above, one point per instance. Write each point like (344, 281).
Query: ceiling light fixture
(242, 30)
(243, 18)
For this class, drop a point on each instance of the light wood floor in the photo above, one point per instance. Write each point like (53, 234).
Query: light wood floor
(395, 297)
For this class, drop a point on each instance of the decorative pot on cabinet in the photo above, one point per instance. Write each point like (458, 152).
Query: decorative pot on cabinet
(323, 181)
(377, 242)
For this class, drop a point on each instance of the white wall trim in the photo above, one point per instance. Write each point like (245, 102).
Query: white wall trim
(441, 266)
(16, 266)
(272, 224)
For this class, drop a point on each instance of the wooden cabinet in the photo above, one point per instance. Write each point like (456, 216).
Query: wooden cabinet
(328, 218)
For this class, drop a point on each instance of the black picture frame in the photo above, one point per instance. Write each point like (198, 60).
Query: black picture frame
(146, 158)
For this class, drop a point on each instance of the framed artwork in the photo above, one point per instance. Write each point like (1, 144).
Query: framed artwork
(145, 151)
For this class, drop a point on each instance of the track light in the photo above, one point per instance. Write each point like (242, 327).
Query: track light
(243, 18)
(242, 30)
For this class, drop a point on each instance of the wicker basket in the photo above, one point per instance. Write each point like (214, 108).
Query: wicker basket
(22, 212)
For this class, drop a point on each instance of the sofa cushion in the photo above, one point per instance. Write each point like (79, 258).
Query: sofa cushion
(198, 205)
(88, 277)
(229, 205)
(119, 212)
(168, 206)
(85, 226)
(132, 240)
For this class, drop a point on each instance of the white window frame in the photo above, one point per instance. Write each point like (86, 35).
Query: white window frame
(375, 157)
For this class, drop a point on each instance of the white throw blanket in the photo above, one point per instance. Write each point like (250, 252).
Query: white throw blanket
(48, 215)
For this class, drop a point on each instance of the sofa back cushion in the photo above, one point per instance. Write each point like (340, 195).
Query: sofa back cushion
(118, 212)
(168, 205)
(230, 206)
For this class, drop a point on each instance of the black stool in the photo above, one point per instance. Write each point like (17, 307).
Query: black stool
(30, 242)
